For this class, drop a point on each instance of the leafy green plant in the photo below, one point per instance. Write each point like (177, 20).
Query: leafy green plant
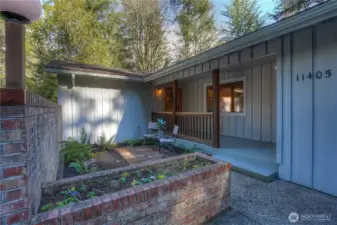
(85, 137)
(104, 143)
(145, 180)
(161, 124)
(60, 204)
(139, 174)
(82, 168)
(135, 182)
(187, 163)
(196, 166)
(123, 178)
(70, 200)
(160, 177)
(83, 188)
(46, 207)
(91, 194)
(73, 151)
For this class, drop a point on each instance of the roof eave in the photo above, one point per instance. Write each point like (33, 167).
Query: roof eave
(82, 73)
(320, 13)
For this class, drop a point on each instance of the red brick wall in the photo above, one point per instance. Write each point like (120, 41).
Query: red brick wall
(192, 197)
(28, 152)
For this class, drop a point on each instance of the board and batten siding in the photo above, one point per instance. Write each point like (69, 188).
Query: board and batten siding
(307, 123)
(258, 122)
(103, 105)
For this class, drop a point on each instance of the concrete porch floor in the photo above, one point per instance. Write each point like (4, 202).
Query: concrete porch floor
(255, 158)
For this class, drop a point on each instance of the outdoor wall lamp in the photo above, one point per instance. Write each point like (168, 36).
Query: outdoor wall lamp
(17, 13)
(23, 11)
(159, 91)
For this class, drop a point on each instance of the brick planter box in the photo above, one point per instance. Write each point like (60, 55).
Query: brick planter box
(191, 197)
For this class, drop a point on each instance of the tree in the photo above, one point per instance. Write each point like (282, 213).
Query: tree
(144, 34)
(287, 8)
(197, 31)
(85, 31)
(243, 17)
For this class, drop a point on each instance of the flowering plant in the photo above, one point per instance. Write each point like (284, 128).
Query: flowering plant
(161, 124)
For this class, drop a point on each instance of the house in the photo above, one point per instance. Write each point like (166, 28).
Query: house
(265, 101)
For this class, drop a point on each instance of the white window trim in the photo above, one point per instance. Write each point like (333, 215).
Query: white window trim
(226, 81)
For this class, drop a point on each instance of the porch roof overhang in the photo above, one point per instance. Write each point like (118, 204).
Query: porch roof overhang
(307, 18)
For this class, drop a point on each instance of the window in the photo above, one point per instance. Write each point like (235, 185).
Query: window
(231, 97)
(168, 100)
(209, 100)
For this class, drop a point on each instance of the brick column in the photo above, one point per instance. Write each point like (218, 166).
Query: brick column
(29, 152)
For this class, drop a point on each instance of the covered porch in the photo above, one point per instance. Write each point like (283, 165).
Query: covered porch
(227, 108)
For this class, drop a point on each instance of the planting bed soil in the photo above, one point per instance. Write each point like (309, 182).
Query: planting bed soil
(187, 189)
(119, 181)
(105, 160)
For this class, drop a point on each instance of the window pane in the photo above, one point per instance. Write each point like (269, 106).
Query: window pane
(168, 99)
(209, 99)
(238, 96)
(225, 98)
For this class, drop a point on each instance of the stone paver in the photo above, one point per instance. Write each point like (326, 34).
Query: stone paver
(256, 202)
(142, 154)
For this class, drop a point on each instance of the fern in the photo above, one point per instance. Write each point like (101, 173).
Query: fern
(82, 168)
(73, 151)
(85, 137)
(105, 143)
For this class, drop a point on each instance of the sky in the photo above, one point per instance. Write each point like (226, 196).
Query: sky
(266, 6)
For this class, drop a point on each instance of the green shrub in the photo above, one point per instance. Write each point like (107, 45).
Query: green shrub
(104, 143)
(85, 137)
(73, 151)
(82, 168)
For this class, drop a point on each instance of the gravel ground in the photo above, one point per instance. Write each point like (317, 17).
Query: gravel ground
(256, 202)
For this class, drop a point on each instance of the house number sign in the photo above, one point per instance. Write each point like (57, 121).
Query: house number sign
(318, 75)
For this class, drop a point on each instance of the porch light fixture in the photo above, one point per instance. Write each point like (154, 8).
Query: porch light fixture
(22, 11)
(159, 91)
(16, 13)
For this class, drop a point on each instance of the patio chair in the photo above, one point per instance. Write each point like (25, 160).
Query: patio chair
(153, 129)
(169, 141)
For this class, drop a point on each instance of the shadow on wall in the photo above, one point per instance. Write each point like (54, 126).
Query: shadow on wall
(103, 105)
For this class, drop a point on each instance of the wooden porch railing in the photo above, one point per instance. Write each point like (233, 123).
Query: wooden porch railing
(192, 125)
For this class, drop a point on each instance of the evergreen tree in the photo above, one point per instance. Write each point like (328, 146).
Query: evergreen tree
(86, 31)
(242, 17)
(197, 32)
(287, 8)
(144, 34)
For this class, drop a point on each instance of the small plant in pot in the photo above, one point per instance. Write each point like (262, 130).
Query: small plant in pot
(161, 127)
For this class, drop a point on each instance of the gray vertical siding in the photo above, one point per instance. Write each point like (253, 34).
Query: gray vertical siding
(101, 105)
(307, 122)
(299, 115)
(260, 102)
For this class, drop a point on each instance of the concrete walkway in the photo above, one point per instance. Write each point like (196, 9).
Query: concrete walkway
(256, 202)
